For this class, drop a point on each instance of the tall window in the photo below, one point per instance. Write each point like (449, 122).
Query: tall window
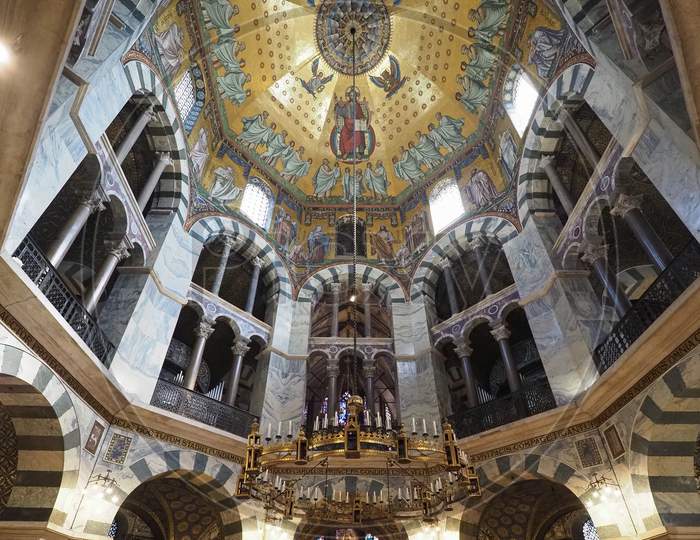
(446, 204)
(257, 202)
(184, 95)
(519, 98)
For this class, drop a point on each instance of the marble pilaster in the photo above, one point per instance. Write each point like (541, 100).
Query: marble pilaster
(285, 390)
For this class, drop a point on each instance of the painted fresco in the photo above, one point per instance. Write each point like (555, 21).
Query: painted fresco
(279, 106)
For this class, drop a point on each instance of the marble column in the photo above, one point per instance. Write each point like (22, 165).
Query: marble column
(130, 140)
(502, 335)
(369, 370)
(115, 255)
(367, 306)
(164, 160)
(479, 244)
(229, 242)
(254, 278)
(335, 299)
(204, 329)
(464, 352)
(71, 229)
(547, 165)
(446, 266)
(628, 207)
(584, 146)
(595, 254)
(333, 368)
(234, 375)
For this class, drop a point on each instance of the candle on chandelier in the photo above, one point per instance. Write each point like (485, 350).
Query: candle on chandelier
(379, 421)
(425, 429)
(325, 421)
(316, 423)
(367, 417)
(335, 419)
(381, 495)
(279, 429)
(347, 497)
(374, 497)
(269, 430)
(435, 428)
(290, 429)
(368, 497)
(413, 422)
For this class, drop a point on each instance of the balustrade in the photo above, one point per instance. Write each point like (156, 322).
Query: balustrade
(196, 406)
(670, 284)
(533, 399)
(37, 267)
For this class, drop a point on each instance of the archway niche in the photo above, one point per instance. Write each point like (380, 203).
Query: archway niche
(174, 506)
(389, 530)
(535, 510)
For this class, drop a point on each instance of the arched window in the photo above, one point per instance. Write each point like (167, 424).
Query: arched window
(344, 245)
(519, 98)
(257, 202)
(184, 95)
(446, 204)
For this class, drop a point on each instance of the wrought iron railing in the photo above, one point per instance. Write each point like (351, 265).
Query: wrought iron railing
(175, 398)
(676, 278)
(50, 283)
(533, 399)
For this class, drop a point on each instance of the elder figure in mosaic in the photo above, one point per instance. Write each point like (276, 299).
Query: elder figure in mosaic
(491, 17)
(376, 180)
(325, 179)
(220, 12)
(475, 95)
(294, 167)
(255, 132)
(448, 133)
(425, 148)
(481, 61)
(276, 148)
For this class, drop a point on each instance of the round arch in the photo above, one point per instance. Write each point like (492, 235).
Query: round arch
(314, 285)
(47, 419)
(663, 443)
(534, 193)
(427, 272)
(274, 272)
(166, 135)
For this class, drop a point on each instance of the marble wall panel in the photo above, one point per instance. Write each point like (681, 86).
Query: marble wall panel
(418, 389)
(141, 350)
(284, 391)
(528, 256)
(292, 326)
(402, 317)
(666, 155)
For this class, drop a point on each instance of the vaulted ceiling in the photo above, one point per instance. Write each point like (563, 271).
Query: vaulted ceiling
(282, 73)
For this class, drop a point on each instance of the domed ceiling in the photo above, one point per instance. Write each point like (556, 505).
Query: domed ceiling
(283, 75)
(275, 102)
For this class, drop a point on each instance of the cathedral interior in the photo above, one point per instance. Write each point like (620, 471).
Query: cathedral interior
(350, 270)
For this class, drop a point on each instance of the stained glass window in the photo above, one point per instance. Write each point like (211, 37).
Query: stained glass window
(519, 98)
(257, 202)
(343, 408)
(446, 204)
(184, 95)
(589, 530)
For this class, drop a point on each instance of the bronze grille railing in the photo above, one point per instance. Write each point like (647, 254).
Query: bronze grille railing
(676, 278)
(174, 398)
(533, 399)
(50, 283)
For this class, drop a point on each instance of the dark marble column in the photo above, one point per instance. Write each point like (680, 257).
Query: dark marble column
(204, 329)
(595, 253)
(234, 375)
(464, 352)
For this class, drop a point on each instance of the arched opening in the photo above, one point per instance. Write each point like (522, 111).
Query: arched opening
(520, 97)
(175, 505)
(344, 235)
(446, 204)
(535, 510)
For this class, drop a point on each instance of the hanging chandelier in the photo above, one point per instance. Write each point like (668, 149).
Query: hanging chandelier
(429, 472)
(433, 472)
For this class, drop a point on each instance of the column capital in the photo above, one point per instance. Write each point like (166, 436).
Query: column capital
(626, 203)
(205, 328)
(478, 241)
(240, 347)
(257, 262)
(165, 157)
(120, 250)
(593, 250)
(95, 201)
(369, 371)
(333, 367)
(335, 288)
(546, 161)
(500, 331)
(463, 349)
(445, 264)
(229, 240)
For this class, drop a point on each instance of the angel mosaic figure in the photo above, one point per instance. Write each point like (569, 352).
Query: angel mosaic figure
(475, 95)
(220, 12)
(544, 49)
(491, 17)
(199, 153)
(171, 48)
(255, 132)
(325, 179)
(317, 82)
(390, 79)
(482, 59)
